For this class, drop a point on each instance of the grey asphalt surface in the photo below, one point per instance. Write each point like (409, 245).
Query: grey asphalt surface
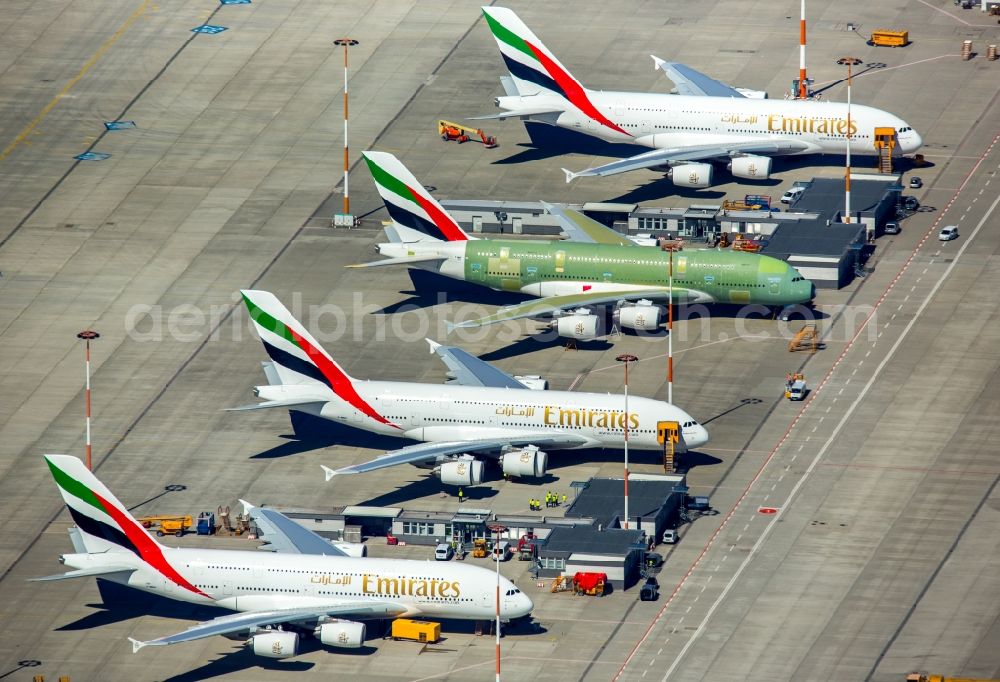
(882, 557)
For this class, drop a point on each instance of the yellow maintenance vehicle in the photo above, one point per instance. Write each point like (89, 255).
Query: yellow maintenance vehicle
(884, 38)
(479, 549)
(167, 524)
(416, 630)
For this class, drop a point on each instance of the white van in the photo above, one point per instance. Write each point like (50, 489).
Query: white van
(502, 551)
(792, 194)
(443, 552)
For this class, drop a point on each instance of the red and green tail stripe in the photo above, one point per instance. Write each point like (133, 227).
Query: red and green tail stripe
(551, 75)
(441, 221)
(129, 533)
(331, 374)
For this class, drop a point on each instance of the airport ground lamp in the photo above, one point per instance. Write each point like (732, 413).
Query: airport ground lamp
(346, 43)
(626, 358)
(848, 62)
(88, 335)
(497, 530)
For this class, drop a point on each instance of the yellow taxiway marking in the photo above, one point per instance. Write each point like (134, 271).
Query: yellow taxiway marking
(28, 129)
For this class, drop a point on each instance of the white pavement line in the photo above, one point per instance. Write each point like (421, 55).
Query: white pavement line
(575, 382)
(947, 14)
(829, 441)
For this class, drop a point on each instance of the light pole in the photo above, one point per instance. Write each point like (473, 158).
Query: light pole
(88, 335)
(670, 333)
(626, 358)
(346, 43)
(497, 529)
(848, 62)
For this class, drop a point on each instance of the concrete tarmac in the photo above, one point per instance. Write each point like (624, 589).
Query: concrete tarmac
(882, 558)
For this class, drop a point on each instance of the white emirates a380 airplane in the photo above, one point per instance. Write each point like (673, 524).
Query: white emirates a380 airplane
(709, 122)
(487, 413)
(306, 586)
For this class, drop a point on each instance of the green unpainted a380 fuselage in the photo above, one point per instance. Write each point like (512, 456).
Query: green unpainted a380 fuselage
(700, 275)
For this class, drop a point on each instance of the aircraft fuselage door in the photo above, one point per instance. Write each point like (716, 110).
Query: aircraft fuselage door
(560, 261)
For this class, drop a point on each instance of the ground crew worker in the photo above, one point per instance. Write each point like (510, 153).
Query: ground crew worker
(548, 498)
(461, 495)
(564, 498)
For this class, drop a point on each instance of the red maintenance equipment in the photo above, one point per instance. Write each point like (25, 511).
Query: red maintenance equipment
(591, 584)
(459, 133)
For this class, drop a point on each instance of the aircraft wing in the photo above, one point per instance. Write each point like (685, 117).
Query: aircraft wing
(691, 82)
(423, 452)
(401, 260)
(580, 228)
(237, 622)
(287, 537)
(674, 155)
(552, 304)
(469, 370)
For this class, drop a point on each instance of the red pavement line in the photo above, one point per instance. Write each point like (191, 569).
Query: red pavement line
(798, 416)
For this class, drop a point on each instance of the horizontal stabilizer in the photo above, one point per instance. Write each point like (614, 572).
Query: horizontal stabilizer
(528, 111)
(293, 402)
(402, 260)
(84, 573)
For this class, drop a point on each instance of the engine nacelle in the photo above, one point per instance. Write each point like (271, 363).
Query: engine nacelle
(695, 175)
(580, 326)
(526, 461)
(642, 316)
(751, 167)
(460, 472)
(343, 634)
(357, 550)
(276, 644)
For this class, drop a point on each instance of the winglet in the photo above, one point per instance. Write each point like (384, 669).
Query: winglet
(330, 473)
(570, 175)
(247, 507)
(657, 62)
(433, 344)
(449, 327)
(136, 644)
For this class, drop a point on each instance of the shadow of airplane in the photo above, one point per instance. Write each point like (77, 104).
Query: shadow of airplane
(310, 432)
(120, 603)
(432, 288)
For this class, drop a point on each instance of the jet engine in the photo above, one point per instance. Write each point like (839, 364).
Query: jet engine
(460, 472)
(353, 549)
(695, 175)
(526, 461)
(641, 316)
(751, 167)
(275, 644)
(343, 634)
(581, 325)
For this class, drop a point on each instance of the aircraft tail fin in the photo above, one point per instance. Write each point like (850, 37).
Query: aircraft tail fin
(298, 356)
(410, 205)
(532, 67)
(105, 524)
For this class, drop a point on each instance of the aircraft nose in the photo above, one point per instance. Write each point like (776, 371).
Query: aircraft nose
(524, 605)
(918, 141)
(698, 437)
